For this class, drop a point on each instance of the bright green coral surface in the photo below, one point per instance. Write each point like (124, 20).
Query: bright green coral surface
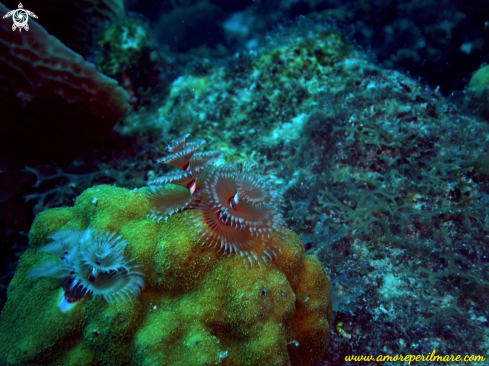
(198, 307)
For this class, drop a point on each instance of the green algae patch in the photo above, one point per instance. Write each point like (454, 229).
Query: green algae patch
(197, 306)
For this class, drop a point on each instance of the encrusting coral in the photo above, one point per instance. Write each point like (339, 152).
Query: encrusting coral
(198, 307)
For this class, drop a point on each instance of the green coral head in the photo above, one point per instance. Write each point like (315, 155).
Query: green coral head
(90, 262)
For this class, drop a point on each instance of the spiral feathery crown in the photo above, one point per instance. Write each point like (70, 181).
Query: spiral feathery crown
(229, 207)
(92, 262)
(166, 191)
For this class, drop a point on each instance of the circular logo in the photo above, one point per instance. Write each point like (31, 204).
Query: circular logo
(20, 18)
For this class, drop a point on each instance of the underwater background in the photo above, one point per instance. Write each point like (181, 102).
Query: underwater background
(369, 119)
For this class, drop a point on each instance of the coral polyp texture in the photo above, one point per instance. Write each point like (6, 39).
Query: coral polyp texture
(197, 307)
(51, 94)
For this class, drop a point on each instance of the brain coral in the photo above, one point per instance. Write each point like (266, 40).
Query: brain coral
(198, 307)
